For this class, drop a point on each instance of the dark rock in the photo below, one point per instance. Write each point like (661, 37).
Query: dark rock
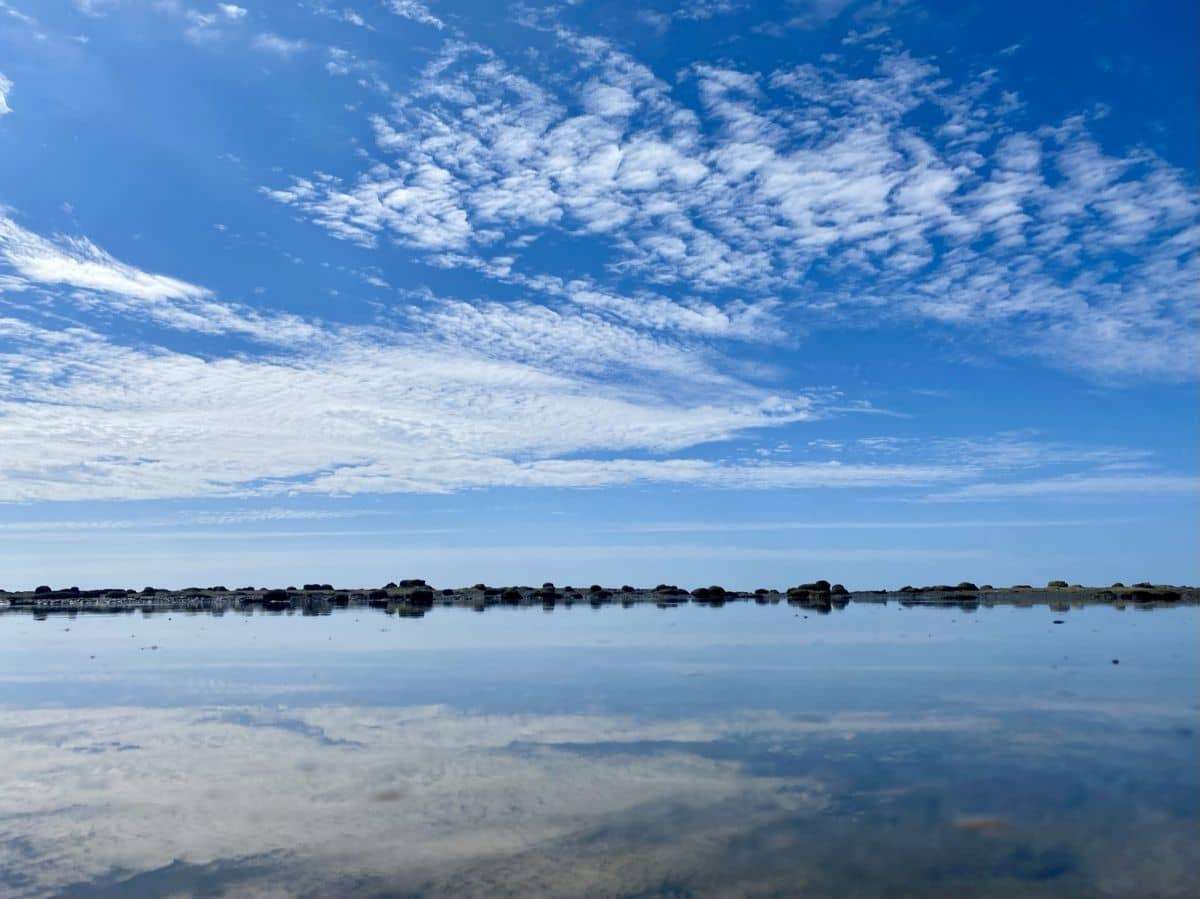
(421, 597)
(839, 590)
(511, 596)
(821, 586)
(1057, 585)
(43, 589)
(968, 586)
(377, 595)
(413, 582)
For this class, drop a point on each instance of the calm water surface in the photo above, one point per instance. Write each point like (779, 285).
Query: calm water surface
(738, 751)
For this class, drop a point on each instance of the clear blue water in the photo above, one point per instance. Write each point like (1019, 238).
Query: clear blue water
(739, 751)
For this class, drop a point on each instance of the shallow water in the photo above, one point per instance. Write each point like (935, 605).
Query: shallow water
(749, 750)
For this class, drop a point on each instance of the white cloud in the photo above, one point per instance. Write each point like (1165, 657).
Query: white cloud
(279, 46)
(207, 28)
(813, 13)
(100, 282)
(809, 186)
(416, 11)
(340, 62)
(447, 395)
(80, 263)
(701, 10)
(21, 17)
(5, 89)
(95, 8)
(83, 418)
(460, 395)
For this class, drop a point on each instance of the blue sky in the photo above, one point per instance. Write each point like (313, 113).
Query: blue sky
(728, 292)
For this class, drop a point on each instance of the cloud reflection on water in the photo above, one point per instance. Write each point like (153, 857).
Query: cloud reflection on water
(433, 801)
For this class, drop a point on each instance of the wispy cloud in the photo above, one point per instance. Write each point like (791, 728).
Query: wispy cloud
(77, 262)
(447, 395)
(416, 11)
(1077, 485)
(709, 9)
(464, 395)
(280, 46)
(717, 527)
(13, 13)
(233, 517)
(95, 8)
(95, 279)
(5, 89)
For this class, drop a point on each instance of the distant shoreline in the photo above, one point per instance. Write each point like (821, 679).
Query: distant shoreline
(413, 598)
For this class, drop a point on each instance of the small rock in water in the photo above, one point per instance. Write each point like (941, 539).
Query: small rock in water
(1058, 621)
(1116, 661)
